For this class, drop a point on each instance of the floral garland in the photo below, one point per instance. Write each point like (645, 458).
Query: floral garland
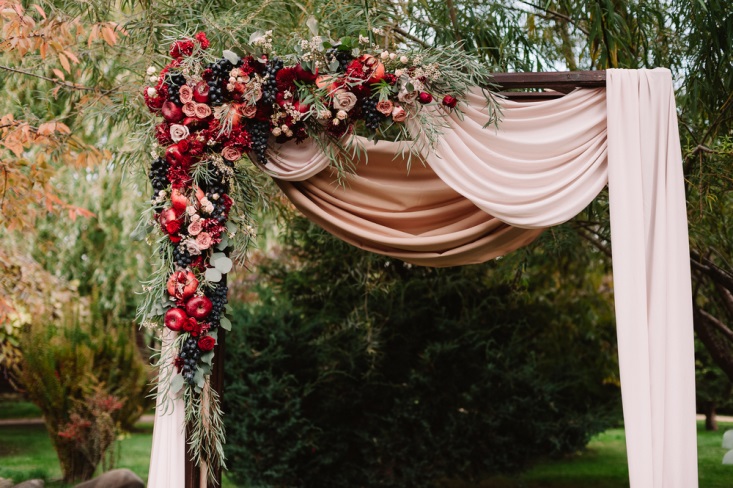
(218, 114)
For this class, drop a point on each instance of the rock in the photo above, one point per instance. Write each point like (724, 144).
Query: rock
(728, 458)
(6, 483)
(31, 484)
(728, 439)
(117, 478)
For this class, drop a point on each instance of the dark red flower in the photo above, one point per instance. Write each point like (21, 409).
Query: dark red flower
(163, 134)
(155, 103)
(355, 69)
(390, 78)
(207, 343)
(181, 48)
(450, 101)
(201, 37)
(286, 79)
(191, 325)
(425, 97)
(178, 363)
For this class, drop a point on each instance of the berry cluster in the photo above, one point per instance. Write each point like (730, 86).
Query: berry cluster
(269, 87)
(218, 297)
(158, 175)
(219, 72)
(189, 355)
(259, 132)
(175, 82)
(343, 58)
(372, 117)
(181, 256)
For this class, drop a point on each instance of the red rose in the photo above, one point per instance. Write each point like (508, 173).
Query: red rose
(450, 101)
(425, 97)
(181, 48)
(191, 326)
(207, 343)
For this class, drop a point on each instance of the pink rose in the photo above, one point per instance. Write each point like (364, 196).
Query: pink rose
(399, 114)
(185, 94)
(195, 227)
(178, 132)
(344, 100)
(248, 111)
(189, 109)
(385, 106)
(202, 110)
(203, 240)
(192, 247)
(231, 153)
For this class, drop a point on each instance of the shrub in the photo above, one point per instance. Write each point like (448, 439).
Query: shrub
(370, 373)
(86, 379)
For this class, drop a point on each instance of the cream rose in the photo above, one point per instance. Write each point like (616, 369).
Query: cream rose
(203, 240)
(202, 110)
(189, 109)
(344, 100)
(399, 114)
(179, 132)
(385, 107)
(194, 228)
(231, 153)
(192, 247)
(248, 111)
(185, 93)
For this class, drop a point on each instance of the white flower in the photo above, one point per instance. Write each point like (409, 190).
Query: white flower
(232, 79)
(324, 114)
(284, 128)
(289, 133)
(404, 59)
(151, 70)
(276, 131)
(341, 115)
(178, 132)
(191, 211)
(344, 100)
(384, 55)
(153, 79)
(392, 56)
(399, 72)
(363, 40)
(335, 121)
(152, 92)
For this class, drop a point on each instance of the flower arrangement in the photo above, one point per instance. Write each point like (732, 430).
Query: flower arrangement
(217, 114)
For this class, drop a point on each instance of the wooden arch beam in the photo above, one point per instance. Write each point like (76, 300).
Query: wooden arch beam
(556, 84)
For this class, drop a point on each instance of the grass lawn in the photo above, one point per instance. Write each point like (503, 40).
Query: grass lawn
(26, 452)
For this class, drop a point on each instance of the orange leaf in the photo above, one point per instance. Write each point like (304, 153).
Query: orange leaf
(59, 73)
(43, 48)
(55, 91)
(65, 62)
(109, 35)
(62, 128)
(40, 11)
(72, 56)
(14, 146)
(46, 129)
(93, 35)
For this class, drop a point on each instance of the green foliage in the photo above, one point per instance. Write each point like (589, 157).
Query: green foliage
(88, 380)
(357, 370)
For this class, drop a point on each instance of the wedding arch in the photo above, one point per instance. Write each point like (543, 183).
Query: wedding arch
(478, 193)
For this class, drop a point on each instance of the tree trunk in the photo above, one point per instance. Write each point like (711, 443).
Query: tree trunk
(710, 422)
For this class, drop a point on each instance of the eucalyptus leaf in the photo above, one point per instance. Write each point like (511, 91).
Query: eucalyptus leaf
(232, 228)
(225, 323)
(312, 24)
(207, 357)
(176, 383)
(141, 232)
(228, 308)
(222, 263)
(333, 65)
(213, 275)
(198, 378)
(205, 368)
(256, 35)
(230, 56)
(224, 243)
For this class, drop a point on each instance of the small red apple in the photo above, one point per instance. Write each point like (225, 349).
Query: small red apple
(182, 285)
(179, 200)
(198, 307)
(171, 112)
(175, 318)
(304, 74)
(201, 92)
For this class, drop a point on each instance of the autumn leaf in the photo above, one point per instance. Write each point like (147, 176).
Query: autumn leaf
(65, 62)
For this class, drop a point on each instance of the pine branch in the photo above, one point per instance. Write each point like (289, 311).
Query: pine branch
(558, 15)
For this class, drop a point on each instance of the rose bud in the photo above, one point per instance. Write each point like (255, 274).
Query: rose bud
(425, 97)
(450, 101)
(206, 343)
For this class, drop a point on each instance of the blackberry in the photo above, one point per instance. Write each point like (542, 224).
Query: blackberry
(158, 175)
(182, 257)
(190, 354)
(259, 132)
(219, 73)
(218, 297)
(343, 58)
(269, 87)
(372, 116)
(174, 94)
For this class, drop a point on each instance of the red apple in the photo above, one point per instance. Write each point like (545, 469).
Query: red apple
(201, 92)
(175, 318)
(304, 74)
(171, 112)
(179, 200)
(198, 307)
(182, 285)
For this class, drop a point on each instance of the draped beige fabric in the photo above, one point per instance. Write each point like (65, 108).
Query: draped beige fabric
(542, 166)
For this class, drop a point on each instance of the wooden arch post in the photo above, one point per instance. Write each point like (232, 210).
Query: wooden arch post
(555, 84)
